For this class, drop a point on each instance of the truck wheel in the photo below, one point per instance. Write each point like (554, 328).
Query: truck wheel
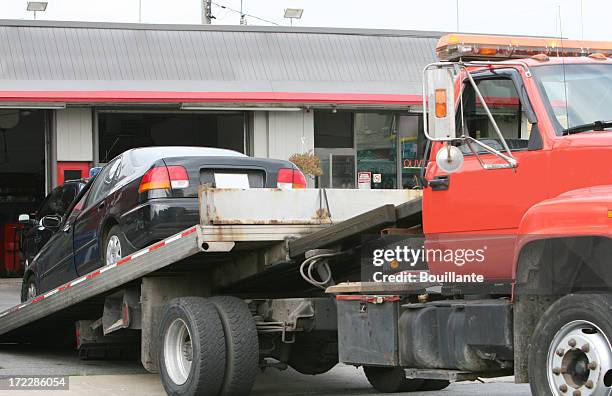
(191, 356)
(434, 385)
(391, 379)
(314, 353)
(571, 352)
(241, 345)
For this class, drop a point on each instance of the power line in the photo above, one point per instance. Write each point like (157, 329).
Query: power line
(245, 14)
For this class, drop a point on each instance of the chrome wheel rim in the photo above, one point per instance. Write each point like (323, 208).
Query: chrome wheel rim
(113, 250)
(580, 361)
(178, 351)
(31, 290)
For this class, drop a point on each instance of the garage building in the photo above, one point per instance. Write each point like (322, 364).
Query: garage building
(74, 95)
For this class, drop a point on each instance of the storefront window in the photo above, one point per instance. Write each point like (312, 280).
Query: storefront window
(334, 145)
(376, 149)
(412, 144)
(372, 150)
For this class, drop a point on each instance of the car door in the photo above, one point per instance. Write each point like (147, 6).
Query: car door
(88, 225)
(36, 236)
(55, 262)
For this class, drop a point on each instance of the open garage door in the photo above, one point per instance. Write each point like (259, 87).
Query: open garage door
(22, 177)
(119, 131)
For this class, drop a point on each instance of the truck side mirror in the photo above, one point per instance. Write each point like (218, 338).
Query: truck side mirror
(439, 102)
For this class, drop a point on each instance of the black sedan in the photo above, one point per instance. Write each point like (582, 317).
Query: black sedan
(140, 197)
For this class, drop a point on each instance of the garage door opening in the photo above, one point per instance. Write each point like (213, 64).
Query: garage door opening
(121, 131)
(22, 176)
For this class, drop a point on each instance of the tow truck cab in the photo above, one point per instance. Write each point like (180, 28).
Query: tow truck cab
(520, 149)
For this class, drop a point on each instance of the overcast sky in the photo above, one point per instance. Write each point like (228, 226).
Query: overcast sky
(532, 17)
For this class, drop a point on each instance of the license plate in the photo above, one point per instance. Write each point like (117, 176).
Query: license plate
(232, 180)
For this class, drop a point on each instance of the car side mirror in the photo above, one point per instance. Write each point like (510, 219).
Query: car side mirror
(51, 222)
(24, 218)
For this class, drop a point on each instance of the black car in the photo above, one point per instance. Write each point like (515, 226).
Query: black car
(56, 203)
(140, 197)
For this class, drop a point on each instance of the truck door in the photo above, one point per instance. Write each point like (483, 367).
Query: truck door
(489, 201)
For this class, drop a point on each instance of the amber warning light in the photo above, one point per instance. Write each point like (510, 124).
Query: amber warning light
(453, 47)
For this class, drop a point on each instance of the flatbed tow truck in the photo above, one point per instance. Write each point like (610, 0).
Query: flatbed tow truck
(309, 278)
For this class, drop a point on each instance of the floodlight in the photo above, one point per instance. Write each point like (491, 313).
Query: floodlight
(37, 6)
(294, 13)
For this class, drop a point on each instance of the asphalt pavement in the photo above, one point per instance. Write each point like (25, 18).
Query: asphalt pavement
(118, 378)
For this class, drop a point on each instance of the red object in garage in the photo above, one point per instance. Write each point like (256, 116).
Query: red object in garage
(71, 171)
(10, 258)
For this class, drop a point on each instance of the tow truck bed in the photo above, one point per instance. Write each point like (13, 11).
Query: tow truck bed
(266, 221)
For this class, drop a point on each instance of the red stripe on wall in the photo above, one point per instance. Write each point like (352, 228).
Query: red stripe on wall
(212, 97)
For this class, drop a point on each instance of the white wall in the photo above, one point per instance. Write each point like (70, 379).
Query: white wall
(279, 134)
(74, 134)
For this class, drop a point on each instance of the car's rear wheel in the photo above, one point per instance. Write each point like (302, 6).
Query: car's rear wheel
(115, 246)
(29, 290)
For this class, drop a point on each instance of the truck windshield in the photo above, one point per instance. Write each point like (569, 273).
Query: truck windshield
(577, 94)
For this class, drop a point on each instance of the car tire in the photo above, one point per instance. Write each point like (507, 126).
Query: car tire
(115, 236)
(191, 348)
(241, 345)
(571, 346)
(391, 379)
(26, 288)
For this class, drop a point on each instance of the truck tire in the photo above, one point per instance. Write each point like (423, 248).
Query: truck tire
(571, 351)
(191, 353)
(241, 345)
(314, 353)
(391, 379)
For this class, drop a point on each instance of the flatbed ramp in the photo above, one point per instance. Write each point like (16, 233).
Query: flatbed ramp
(292, 221)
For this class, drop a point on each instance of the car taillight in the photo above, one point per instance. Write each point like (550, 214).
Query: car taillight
(290, 178)
(163, 178)
(178, 176)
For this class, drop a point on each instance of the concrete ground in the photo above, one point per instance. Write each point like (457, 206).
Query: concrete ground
(118, 378)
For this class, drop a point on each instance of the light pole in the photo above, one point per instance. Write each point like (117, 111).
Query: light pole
(206, 12)
(293, 13)
(36, 6)
(457, 9)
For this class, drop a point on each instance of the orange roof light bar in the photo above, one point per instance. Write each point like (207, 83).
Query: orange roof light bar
(452, 47)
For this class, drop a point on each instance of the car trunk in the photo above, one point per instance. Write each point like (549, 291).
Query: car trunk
(226, 172)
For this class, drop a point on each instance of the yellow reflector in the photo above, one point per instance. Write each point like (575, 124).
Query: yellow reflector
(488, 51)
(610, 214)
(440, 103)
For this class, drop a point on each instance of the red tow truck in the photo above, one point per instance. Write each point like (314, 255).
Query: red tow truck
(499, 266)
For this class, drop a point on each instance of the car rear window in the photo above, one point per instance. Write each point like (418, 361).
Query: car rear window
(144, 156)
